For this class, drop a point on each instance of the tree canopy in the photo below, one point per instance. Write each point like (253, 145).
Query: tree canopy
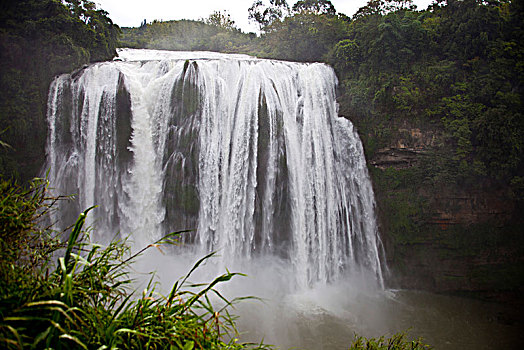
(39, 39)
(455, 65)
(221, 19)
(265, 15)
(216, 33)
(319, 7)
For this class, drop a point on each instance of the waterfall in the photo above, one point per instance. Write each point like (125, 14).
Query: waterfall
(250, 152)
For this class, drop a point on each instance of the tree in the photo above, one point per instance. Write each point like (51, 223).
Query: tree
(381, 7)
(265, 15)
(345, 55)
(305, 36)
(319, 7)
(221, 19)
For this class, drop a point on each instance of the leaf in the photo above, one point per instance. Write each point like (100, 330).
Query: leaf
(196, 266)
(73, 339)
(41, 337)
(157, 247)
(73, 237)
(189, 345)
(18, 341)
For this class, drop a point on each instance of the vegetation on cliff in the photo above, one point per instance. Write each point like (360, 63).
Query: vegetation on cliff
(437, 97)
(38, 40)
(456, 66)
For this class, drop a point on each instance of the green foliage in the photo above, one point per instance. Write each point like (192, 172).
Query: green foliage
(216, 34)
(346, 54)
(395, 342)
(408, 94)
(402, 209)
(456, 67)
(22, 213)
(25, 245)
(264, 15)
(319, 7)
(305, 36)
(381, 7)
(85, 300)
(221, 19)
(38, 40)
(18, 209)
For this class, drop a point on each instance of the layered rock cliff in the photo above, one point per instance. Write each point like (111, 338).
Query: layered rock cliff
(454, 238)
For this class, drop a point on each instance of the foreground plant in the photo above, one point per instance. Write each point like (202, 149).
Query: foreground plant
(85, 300)
(395, 342)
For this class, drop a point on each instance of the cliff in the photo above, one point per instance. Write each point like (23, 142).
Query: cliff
(437, 98)
(454, 238)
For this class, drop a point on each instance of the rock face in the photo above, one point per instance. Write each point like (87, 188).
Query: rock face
(463, 207)
(453, 239)
(399, 158)
(410, 144)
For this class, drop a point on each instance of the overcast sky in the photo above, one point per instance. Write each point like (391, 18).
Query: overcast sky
(130, 13)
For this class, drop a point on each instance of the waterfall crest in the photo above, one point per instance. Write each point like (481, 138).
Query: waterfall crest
(250, 152)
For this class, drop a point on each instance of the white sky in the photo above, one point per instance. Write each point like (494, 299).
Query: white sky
(130, 13)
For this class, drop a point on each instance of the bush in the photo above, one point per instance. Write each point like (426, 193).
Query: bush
(85, 300)
(25, 247)
(396, 342)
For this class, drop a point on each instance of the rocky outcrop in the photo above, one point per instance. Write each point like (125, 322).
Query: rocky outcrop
(398, 158)
(406, 146)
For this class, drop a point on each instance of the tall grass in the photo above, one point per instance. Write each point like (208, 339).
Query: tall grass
(396, 342)
(85, 299)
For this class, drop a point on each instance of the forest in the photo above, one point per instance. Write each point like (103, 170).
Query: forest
(436, 95)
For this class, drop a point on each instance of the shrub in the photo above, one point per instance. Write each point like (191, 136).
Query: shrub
(396, 342)
(85, 300)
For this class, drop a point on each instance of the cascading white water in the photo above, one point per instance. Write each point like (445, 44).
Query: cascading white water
(250, 152)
